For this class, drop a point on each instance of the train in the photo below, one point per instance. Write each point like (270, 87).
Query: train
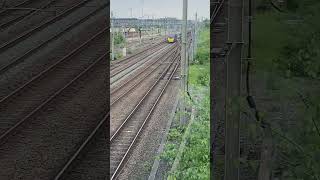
(172, 38)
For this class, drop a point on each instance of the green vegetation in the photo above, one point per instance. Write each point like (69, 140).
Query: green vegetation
(269, 36)
(199, 75)
(173, 142)
(289, 41)
(199, 71)
(194, 163)
(300, 56)
(118, 38)
(286, 49)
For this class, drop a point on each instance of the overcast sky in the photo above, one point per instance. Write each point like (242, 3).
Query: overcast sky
(159, 8)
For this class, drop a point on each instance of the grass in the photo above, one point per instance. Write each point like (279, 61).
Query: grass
(194, 163)
(199, 71)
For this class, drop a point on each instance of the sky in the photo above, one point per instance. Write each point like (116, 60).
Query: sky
(159, 8)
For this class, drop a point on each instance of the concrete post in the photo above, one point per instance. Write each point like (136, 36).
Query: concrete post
(124, 51)
(112, 41)
(183, 61)
(195, 36)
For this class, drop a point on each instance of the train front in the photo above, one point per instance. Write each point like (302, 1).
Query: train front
(171, 39)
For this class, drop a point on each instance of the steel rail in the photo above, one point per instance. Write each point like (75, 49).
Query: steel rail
(134, 55)
(80, 150)
(18, 5)
(43, 73)
(12, 129)
(115, 174)
(123, 68)
(83, 146)
(28, 53)
(170, 51)
(163, 50)
(216, 10)
(26, 15)
(42, 25)
(139, 103)
(141, 80)
(148, 52)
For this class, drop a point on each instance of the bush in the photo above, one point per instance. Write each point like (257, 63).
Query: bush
(195, 162)
(199, 70)
(203, 79)
(203, 49)
(300, 56)
(301, 59)
(118, 38)
(202, 56)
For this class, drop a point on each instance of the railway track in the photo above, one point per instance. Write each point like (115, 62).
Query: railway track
(12, 62)
(35, 16)
(12, 4)
(20, 70)
(23, 11)
(93, 151)
(63, 19)
(135, 46)
(16, 5)
(53, 104)
(81, 162)
(138, 57)
(127, 94)
(133, 65)
(115, 64)
(124, 138)
(40, 88)
(46, 130)
(139, 77)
